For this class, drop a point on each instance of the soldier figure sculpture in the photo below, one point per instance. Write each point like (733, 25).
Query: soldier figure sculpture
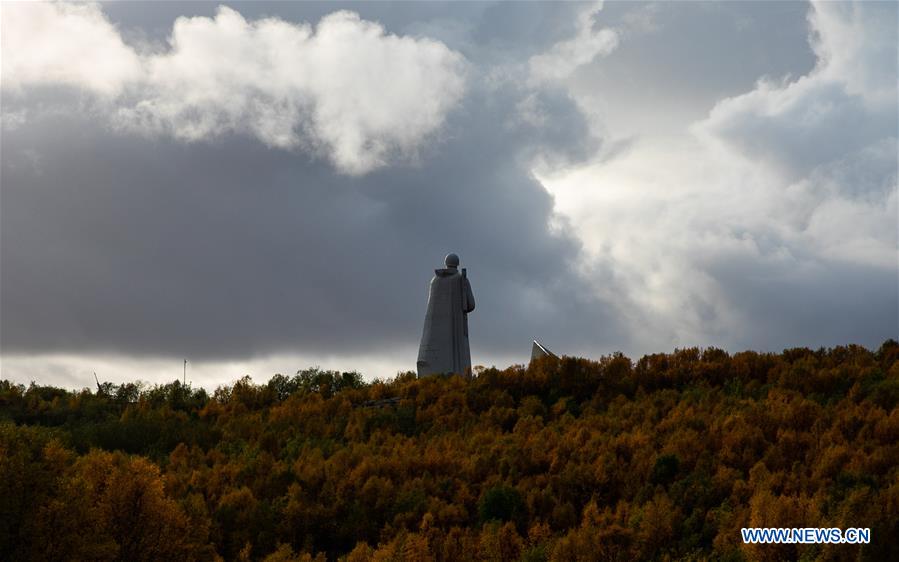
(444, 341)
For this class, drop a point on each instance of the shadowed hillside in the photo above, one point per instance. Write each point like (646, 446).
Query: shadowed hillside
(569, 459)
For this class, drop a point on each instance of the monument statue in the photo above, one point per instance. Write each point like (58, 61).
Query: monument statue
(444, 340)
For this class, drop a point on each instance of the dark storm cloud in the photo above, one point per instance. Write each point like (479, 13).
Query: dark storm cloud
(814, 305)
(230, 249)
(134, 244)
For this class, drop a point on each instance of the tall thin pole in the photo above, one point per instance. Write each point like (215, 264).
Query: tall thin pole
(185, 373)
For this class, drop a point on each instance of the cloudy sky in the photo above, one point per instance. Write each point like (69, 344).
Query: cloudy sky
(262, 187)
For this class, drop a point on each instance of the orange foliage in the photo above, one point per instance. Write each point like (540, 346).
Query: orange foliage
(568, 459)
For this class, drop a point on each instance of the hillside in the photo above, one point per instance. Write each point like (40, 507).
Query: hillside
(570, 459)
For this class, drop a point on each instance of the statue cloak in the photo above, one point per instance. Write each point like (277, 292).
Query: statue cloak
(444, 340)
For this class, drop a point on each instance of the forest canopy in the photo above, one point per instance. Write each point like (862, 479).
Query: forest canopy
(667, 457)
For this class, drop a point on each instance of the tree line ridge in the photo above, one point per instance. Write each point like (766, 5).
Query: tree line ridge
(665, 457)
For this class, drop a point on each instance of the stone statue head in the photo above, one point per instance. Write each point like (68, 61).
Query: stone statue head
(451, 261)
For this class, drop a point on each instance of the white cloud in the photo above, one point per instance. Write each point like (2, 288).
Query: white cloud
(567, 56)
(846, 103)
(361, 94)
(781, 192)
(856, 45)
(47, 43)
(346, 88)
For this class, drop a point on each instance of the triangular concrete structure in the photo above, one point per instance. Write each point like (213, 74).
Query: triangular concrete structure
(538, 350)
